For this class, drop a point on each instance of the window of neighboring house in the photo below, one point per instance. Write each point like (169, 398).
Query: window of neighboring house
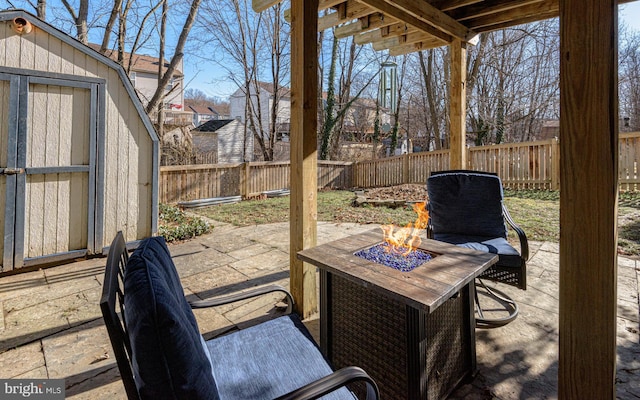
(132, 77)
(169, 86)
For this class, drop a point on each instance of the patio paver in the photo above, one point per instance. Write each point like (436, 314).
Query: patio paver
(51, 326)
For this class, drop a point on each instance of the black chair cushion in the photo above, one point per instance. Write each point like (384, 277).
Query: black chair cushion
(468, 203)
(508, 256)
(169, 358)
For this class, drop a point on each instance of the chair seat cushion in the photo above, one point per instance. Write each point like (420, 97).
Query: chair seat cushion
(268, 360)
(508, 256)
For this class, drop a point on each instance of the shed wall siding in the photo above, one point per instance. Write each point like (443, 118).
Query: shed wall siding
(230, 143)
(128, 153)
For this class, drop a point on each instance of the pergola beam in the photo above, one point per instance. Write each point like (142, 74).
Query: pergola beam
(261, 5)
(375, 20)
(384, 33)
(325, 4)
(489, 7)
(350, 10)
(396, 12)
(446, 5)
(434, 17)
(303, 219)
(458, 106)
(588, 199)
(399, 40)
(481, 23)
(413, 47)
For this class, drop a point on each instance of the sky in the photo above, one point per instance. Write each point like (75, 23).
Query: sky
(630, 14)
(200, 77)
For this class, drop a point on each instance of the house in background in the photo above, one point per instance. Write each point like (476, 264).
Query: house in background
(201, 114)
(222, 141)
(206, 111)
(262, 98)
(144, 78)
(360, 118)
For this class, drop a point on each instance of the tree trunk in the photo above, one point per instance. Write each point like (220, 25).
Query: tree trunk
(177, 57)
(41, 9)
(329, 117)
(431, 98)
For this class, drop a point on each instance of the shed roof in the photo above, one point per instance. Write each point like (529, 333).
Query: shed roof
(213, 125)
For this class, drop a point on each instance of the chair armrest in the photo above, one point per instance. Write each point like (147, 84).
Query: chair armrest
(333, 382)
(218, 301)
(524, 244)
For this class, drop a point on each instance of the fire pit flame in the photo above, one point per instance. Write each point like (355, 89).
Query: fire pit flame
(406, 239)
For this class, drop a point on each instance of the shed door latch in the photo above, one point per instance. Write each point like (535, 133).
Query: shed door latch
(12, 171)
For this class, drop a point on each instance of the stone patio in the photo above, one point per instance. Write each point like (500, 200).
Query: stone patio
(51, 326)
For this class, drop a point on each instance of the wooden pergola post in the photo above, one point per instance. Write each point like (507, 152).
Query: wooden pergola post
(589, 198)
(304, 149)
(458, 105)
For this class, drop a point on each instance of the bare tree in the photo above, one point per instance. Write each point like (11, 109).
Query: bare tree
(349, 65)
(629, 82)
(434, 96)
(80, 19)
(176, 59)
(396, 113)
(41, 9)
(113, 16)
(513, 83)
(253, 49)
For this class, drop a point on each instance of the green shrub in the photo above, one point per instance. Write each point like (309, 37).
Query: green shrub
(175, 224)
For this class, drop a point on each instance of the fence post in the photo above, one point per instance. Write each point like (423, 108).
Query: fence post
(245, 173)
(555, 164)
(405, 168)
(355, 180)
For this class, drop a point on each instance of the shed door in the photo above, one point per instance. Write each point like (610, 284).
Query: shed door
(53, 165)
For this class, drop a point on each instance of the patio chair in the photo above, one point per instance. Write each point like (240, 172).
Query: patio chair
(161, 354)
(466, 209)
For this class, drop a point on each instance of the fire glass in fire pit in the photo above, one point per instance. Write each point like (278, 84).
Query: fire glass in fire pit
(400, 247)
(384, 254)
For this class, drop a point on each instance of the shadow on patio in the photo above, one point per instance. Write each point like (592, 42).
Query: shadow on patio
(51, 326)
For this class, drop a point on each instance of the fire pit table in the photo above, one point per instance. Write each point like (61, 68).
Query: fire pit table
(413, 332)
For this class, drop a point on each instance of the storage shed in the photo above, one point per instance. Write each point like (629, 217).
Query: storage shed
(223, 139)
(78, 154)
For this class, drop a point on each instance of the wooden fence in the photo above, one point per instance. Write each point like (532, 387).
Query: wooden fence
(193, 182)
(532, 165)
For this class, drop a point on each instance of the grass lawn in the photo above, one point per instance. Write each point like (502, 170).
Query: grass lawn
(537, 212)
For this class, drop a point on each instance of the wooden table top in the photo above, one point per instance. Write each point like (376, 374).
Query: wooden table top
(426, 287)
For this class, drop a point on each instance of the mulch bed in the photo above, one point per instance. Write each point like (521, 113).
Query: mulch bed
(391, 196)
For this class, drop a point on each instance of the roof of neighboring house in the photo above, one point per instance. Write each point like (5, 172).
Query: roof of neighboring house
(213, 125)
(550, 129)
(140, 62)
(283, 91)
(198, 109)
(221, 108)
